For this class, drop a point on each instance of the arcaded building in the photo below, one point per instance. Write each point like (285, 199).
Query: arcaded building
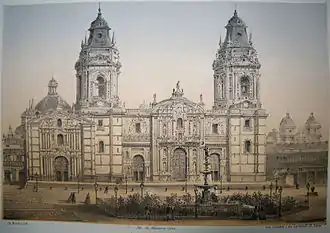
(98, 138)
(297, 155)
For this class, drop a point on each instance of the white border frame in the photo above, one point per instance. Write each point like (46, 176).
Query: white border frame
(49, 227)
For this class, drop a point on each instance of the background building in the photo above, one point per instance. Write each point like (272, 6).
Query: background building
(99, 138)
(297, 156)
(13, 157)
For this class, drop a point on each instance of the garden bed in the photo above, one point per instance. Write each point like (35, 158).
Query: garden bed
(238, 206)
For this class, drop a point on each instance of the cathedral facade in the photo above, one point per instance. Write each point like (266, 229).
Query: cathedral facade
(98, 138)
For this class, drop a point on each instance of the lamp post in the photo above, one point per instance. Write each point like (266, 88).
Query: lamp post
(280, 201)
(186, 183)
(141, 187)
(220, 184)
(276, 185)
(126, 183)
(116, 198)
(95, 188)
(37, 184)
(195, 190)
(307, 193)
(78, 182)
(271, 189)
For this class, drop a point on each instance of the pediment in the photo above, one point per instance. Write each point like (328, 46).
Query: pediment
(50, 119)
(177, 106)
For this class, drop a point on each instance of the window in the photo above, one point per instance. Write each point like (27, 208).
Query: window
(247, 123)
(215, 128)
(100, 123)
(101, 147)
(60, 139)
(138, 127)
(117, 150)
(179, 123)
(247, 146)
(59, 123)
(101, 87)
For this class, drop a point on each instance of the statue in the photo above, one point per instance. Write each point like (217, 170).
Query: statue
(178, 85)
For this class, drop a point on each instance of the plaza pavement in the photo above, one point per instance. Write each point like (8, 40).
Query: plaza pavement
(59, 194)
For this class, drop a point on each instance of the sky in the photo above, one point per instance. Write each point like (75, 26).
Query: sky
(161, 43)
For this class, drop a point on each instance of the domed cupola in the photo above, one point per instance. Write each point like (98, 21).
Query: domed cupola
(287, 122)
(287, 129)
(312, 123)
(99, 22)
(236, 21)
(52, 101)
(313, 129)
(99, 35)
(236, 32)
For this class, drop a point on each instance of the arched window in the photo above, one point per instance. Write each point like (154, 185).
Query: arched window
(245, 86)
(247, 146)
(101, 147)
(101, 87)
(59, 123)
(179, 123)
(60, 139)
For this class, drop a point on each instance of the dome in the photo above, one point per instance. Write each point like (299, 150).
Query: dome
(20, 130)
(52, 101)
(287, 122)
(99, 22)
(312, 123)
(236, 21)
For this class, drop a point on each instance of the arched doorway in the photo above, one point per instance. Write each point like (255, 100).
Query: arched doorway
(138, 168)
(179, 165)
(61, 166)
(215, 167)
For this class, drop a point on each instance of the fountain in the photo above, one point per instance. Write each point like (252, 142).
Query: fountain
(206, 187)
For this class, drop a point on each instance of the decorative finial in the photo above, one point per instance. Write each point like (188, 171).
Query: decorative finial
(220, 41)
(235, 11)
(99, 9)
(85, 37)
(113, 41)
(250, 37)
(154, 98)
(82, 44)
(201, 98)
(178, 85)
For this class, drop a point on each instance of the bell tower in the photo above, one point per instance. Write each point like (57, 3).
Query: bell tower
(98, 69)
(237, 92)
(236, 67)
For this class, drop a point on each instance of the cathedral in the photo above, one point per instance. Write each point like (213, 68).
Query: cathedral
(98, 138)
